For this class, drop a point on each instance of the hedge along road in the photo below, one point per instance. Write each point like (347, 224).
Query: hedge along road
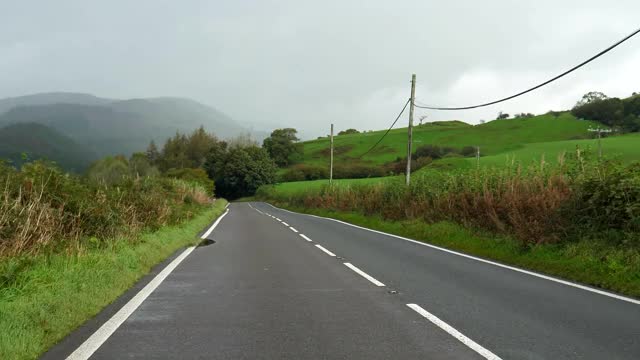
(277, 284)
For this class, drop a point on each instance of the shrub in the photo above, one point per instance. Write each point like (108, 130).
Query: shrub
(468, 151)
(42, 207)
(302, 172)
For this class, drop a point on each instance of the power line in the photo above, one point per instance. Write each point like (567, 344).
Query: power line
(391, 127)
(539, 85)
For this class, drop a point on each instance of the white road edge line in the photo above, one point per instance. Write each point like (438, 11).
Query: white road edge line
(325, 250)
(285, 224)
(293, 229)
(226, 206)
(305, 237)
(455, 333)
(101, 335)
(363, 274)
(208, 232)
(542, 276)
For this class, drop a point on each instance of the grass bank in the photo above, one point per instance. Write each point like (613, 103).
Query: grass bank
(44, 297)
(588, 261)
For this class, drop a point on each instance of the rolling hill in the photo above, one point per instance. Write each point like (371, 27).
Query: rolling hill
(493, 138)
(30, 141)
(107, 126)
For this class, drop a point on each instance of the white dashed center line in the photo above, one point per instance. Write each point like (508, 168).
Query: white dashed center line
(364, 274)
(325, 250)
(455, 333)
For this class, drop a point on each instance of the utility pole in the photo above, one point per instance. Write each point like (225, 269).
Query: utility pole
(478, 156)
(410, 129)
(331, 162)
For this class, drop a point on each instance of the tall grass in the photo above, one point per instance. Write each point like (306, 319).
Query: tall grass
(540, 203)
(43, 208)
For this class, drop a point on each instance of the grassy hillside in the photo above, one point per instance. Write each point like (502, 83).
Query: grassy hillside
(494, 138)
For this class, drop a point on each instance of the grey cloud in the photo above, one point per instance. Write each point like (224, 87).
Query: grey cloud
(308, 63)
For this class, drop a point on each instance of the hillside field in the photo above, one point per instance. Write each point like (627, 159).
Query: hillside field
(495, 137)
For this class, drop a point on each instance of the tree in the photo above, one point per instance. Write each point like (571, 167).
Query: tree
(523, 116)
(152, 153)
(591, 97)
(283, 147)
(240, 171)
(348, 131)
(502, 115)
(608, 111)
(198, 176)
(139, 165)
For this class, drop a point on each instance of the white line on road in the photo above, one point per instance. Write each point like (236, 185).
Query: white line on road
(364, 274)
(278, 219)
(325, 250)
(305, 237)
(206, 234)
(285, 224)
(293, 229)
(542, 276)
(107, 329)
(455, 333)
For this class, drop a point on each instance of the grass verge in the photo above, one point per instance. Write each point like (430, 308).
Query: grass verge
(47, 296)
(588, 261)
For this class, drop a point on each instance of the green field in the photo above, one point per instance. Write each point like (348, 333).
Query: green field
(494, 138)
(291, 188)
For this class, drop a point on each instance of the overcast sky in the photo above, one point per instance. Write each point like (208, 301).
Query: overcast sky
(305, 64)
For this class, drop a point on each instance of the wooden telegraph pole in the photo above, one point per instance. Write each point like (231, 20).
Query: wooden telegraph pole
(410, 130)
(331, 161)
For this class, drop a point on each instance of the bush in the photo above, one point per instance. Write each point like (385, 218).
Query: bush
(196, 176)
(41, 207)
(349, 131)
(303, 172)
(469, 151)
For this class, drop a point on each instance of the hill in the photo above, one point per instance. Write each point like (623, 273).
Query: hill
(493, 138)
(37, 141)
(51, 98)
(109, 126)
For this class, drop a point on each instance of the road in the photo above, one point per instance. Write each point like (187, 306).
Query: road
(281, 285)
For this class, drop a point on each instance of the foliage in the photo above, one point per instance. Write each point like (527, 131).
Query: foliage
(43, 297)
(240, 171)
(182, 151)
(523, 115)
(283, 147)
(302, 172)
(536, 204)
(502, 115)
(348, 131)
(623, 114)
(41, 207)
(196, 176)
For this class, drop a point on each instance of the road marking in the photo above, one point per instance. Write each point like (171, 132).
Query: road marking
(293, 229)
(206, 234)
(455, 333)
(101, 335)
(325, 250)
(363, 274)
(523, 271)
(278, 219)
(305, 237)
(226, 206)
(285, 224)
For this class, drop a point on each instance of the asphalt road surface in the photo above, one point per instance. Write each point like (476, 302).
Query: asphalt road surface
(281, 285)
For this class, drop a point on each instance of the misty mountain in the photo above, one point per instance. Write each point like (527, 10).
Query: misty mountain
(51, 98)
(38, 141)
(109, 127)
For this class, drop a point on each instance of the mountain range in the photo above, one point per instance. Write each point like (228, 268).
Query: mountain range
(91, 127)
